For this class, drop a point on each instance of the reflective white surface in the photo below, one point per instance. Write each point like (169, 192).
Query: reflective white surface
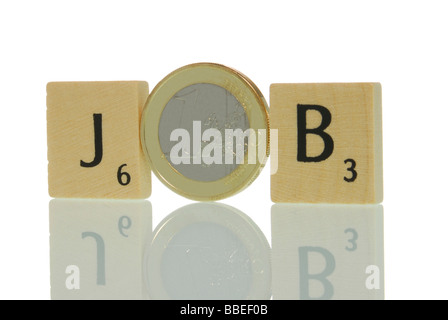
(398, 43)
(107, 250)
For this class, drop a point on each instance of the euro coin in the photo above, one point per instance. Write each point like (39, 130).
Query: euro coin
(205, 131)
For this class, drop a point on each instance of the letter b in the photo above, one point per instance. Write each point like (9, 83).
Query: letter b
(302, 132)
(305, 276)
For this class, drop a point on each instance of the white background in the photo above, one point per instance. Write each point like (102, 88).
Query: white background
(401, 44)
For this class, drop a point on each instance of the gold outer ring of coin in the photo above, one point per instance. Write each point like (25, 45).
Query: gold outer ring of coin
(244, 91)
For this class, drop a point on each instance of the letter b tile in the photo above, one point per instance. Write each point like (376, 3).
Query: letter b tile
(94, 146)
(329, 143)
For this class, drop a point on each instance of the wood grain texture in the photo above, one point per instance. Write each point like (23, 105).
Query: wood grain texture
(70, 126)
(355, 129)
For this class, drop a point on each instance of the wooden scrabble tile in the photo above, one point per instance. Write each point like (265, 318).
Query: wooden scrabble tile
(327, 252)
(94, 146)
(97, 248)
(329, 143)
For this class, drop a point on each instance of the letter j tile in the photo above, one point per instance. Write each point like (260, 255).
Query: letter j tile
(93, 131)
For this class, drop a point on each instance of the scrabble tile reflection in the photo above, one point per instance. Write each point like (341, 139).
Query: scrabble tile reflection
(327, 252)
(97, 248)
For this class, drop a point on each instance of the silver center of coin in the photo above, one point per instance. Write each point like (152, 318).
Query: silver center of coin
(185, 138)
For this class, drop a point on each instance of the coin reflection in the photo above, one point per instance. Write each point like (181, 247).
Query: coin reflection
(208, 251)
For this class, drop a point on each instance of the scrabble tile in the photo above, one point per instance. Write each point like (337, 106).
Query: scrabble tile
(327, 252)
(329, 146)
(97, 248)
(94, 146)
